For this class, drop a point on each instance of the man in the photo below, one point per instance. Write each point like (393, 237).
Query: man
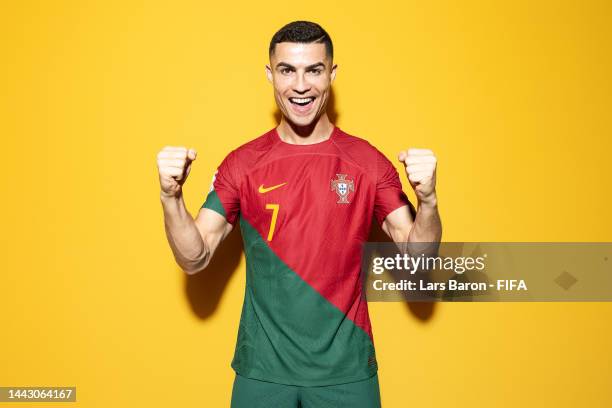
(304, 193)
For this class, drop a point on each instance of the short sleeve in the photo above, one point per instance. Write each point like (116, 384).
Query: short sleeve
(223, 196)
(389, 193)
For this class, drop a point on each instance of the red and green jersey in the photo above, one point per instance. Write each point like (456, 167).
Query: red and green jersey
(304, 213)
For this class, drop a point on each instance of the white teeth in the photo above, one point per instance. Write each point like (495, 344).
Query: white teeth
(301, 100)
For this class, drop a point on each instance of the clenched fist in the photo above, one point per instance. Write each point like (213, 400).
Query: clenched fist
(174, 164)
(421, 171)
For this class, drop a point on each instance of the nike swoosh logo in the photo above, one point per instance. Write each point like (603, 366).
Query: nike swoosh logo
(263, 189)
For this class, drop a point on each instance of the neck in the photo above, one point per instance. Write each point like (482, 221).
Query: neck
(318, 131)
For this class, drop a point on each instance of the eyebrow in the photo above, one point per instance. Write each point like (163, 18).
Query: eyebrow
(309, 67)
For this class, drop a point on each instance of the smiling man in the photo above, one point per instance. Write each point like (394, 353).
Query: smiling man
(305, 194)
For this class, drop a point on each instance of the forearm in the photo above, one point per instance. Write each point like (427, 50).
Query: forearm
(189, 249)
(427, 226)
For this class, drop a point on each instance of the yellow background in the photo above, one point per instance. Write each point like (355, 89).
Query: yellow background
(513, 97)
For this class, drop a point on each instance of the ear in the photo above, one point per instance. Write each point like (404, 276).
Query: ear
(333, 72)
(269, 73)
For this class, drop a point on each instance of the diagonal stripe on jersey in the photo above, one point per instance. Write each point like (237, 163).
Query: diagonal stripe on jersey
(289, 329)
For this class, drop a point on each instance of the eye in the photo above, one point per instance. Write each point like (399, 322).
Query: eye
(285, 71)
(316, 71)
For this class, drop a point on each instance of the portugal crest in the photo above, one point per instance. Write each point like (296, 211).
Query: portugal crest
(342, 187)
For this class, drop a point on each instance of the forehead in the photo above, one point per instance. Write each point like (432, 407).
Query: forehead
(299, 54)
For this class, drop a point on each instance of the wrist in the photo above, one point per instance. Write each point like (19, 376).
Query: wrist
(429, 202)
(170, 197)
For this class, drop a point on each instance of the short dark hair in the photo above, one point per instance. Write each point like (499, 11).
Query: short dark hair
(302, 32)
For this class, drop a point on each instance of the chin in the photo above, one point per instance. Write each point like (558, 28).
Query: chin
(302, 122)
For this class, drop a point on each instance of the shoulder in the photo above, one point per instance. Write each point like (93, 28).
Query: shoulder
(261, 143)
(360, 150)
(252, 148)
(243, 157)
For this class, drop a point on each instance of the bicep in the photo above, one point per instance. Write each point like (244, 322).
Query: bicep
(398, 223)
(213, 227)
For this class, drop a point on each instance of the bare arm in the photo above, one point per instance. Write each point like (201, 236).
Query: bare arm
(193, 242)
(426, 226)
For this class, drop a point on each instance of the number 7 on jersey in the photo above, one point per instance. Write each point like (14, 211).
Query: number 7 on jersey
(274, 208)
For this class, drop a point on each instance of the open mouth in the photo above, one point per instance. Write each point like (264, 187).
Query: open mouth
(302, 101)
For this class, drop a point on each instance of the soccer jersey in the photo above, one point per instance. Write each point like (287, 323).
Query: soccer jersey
(304, 213)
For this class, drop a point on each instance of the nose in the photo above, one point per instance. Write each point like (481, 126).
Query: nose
(301, 86)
